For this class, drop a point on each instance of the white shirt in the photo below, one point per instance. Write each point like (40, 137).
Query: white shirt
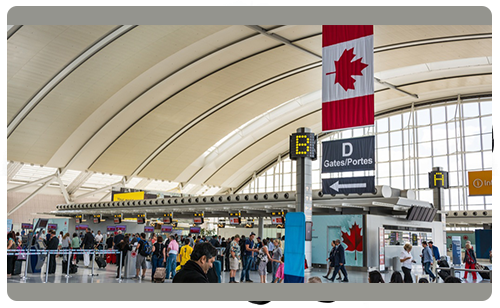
(98, 238)
(405, 254)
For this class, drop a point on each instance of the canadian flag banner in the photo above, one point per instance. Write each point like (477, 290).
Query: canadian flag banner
(347, 77)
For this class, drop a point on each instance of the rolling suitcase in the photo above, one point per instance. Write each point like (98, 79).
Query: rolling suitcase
(159, 276)
(72, 267)
(100, 262)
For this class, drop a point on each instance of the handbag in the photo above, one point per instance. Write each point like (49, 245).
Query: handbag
(22, 254)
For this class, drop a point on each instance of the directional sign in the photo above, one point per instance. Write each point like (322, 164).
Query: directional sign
(362, 184)
(355, 154)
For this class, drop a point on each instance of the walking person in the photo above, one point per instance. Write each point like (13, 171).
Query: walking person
(248, 254)
(172, 251)
(234, 258)
(141, 257)
(435, 256)
(277, 254)
(470, 260)
(11, 260)
(158, 256)
(330, 260)
(406, 262)
(427, 260)
(339, 261)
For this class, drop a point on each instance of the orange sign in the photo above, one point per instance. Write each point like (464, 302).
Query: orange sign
(480, 183)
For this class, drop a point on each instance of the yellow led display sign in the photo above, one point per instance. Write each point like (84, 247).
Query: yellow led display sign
(438, 179)
(303, 145)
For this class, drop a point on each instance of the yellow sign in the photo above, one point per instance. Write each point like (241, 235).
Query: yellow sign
(480, 183)
(129, 196)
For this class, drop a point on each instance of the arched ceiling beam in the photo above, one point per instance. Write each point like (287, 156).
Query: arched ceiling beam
(63, 74)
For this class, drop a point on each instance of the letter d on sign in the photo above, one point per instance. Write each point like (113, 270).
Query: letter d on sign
(344, 146)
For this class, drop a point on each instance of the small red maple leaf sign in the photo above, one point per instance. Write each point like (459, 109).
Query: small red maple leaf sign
(354, 241)
(346, 68)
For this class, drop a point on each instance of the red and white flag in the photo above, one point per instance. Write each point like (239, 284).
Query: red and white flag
(347, 77)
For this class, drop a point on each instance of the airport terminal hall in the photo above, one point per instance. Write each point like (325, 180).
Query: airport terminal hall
(332, 154)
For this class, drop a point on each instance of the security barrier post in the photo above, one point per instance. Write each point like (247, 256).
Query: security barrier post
(93, 264)
(120, 268)
(26, 267)
(68, 260)
(48, 264)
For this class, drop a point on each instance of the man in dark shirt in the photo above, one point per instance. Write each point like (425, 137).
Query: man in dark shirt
(195, 270)
(88, 243)
(118, 238)
(109, 241)
(214, 241)
(247, 257)
(52, 244)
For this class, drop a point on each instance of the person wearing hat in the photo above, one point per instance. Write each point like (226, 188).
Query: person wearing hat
(247, 258)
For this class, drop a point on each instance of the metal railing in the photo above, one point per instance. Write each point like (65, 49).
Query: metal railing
(69, 252)
(459, 269)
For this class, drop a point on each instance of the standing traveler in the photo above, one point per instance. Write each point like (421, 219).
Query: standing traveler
(172, 251)
(227, 254)
(158, 256)
(75, 244)
(406, 260)
(123, 246)
(339, 261)
(191, 241)
(195, 270)
(248, 254)
(141, 257)
(214, 241)
(60, 237)
(277, 254)
(52, 244)
(280, 273)
(110, 241)
(88, 243)
(470, 260)
(427, 260)
(65, 244)
(11, 260)
(98, 239)
(234, 258)
(185, 252)
(118, 238)
(264, 257)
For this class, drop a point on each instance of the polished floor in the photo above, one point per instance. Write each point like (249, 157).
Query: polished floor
(108, 275)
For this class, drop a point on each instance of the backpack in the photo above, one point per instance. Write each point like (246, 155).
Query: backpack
(146, 249)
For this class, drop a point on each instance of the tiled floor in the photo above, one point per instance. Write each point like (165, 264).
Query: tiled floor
(108, 275)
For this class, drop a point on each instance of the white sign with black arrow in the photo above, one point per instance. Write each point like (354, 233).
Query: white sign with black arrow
(359, 185)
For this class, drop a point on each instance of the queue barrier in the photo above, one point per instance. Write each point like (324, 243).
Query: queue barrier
(459, 269)
(69, 252)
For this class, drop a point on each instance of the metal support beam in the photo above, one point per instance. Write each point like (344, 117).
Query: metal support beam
(17, 207)
(62, 187)
(395, 88)
(143, 183)
(36, 182)
(12, 169)
(95, 191)
(79, 181)
(282, 40)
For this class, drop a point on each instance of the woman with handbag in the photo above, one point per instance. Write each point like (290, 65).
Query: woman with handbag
(470, 260)
(263, 258)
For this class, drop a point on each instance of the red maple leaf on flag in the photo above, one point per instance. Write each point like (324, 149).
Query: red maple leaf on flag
(354, 241)
(346, 68)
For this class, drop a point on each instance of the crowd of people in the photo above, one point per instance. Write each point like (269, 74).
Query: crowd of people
(191, 258)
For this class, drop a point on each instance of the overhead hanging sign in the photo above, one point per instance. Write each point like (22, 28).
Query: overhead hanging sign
(356, 154)
(359, 185)
(348, 90)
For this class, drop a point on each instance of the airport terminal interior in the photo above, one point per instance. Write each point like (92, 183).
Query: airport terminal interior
(199, 130)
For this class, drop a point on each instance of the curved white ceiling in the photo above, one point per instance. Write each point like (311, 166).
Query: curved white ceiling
(149, 101)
